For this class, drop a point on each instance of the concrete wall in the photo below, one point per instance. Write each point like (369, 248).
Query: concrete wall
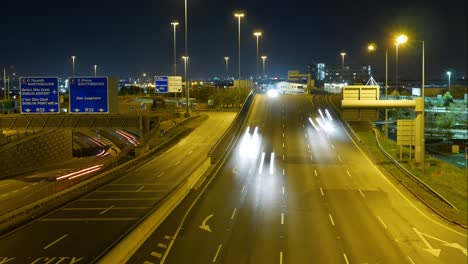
(36, 151)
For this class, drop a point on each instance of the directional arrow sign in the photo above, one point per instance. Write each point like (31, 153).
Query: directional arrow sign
(204, 225)
(39, 95)
(436, 252)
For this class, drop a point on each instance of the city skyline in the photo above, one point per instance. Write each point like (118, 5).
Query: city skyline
(127, 40)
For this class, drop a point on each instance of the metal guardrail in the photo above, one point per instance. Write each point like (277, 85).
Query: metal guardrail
(407, 172)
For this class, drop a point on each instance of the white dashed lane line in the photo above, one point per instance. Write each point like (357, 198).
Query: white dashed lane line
(349, 174)
(315, 171)
(331, 219)
(55, 242)
(217, 253)
(382, 222)
(362, 193)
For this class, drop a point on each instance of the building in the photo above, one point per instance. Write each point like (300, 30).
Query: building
(334, 74)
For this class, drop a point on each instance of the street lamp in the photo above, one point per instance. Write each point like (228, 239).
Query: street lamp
(257, 34)
(264, 59)
(95, 70)
(342, 64)
(175, 24)
(187, 91)
(73, 65)
(449, 74)
(239, 16)
(227, 67)
(401, 39)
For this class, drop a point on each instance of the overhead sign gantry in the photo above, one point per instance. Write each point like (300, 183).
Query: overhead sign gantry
(39, 95)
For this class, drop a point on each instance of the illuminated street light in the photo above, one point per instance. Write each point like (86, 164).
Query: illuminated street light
(239, 16)
(227, 67)
(73, 65)
(175, 24)
(401, 39)
(449, 74)
(371, 47)
(342, 64)
(264, 59)
(257, 34)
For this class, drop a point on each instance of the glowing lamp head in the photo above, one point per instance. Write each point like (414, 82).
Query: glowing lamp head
(401, 39)
(264, 57)
(175, 23)
(371, 47)
(239, 15)
(449, 73)
(226, 58)
(343, 53)
(257, 34)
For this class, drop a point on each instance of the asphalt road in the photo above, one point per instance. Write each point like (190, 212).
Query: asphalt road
(319, 199)
(81, 230)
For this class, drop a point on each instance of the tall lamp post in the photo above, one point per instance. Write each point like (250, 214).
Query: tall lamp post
(187, 91)
(95, 70)
(401, 39)
(342, 64)
(263, 61)
(73, 65)
(449, 74)
(175, 24)
(238, 16)
(257, 34)
(226, 59)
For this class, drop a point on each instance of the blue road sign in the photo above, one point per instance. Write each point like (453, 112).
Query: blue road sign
(162, 84)
(39, 95)
(89, 95)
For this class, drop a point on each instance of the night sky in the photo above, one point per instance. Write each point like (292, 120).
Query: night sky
(127, 38)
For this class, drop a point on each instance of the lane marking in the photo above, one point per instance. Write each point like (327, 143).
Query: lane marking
(333, 147)
(86, 219)
(260, 169)
(243, 188)
(217, 252)
(282, 190)
(122, 184)
(349, 174)
(119, 199)
(147, 262)
(411, 260)
(161, 245)
(315, 173)
(140, 188)
(190, 152)
(103, 212)
(102, 208)
(148, 191)
(283, 156)
(156, 254)
(331, 220)
(56, 241)
(161, 174)
(177, 163)
(282, 218)
(382, 222)
(283, 144)
(233, 213)
(339, 157)
(283, 169)
(345, 258)
(167, 237)
(281, 257)
(308, 146)
(283, 134)
(362, 193)
(321, 191)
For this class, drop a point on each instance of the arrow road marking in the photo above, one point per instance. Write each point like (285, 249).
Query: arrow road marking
(445, 243)
(430, 249)
(204, 226)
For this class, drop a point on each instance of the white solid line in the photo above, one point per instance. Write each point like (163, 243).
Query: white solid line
(243, 188)
(345, 258)
(161, 245)
(349, 174)
(233, 213)
(56, 241)
(177, 163)
(381, 221)
(156, 254)
(362, 193)
(315, 173)
(411, 260)
(162, 173)
(331, 219)
(140, 188)
(321, 191)
(217, 252)
(281, 257)
(282, 190)
(282, 218)
(103, 212)
(283, 169)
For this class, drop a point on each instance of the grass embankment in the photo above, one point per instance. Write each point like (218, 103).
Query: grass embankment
(446, 179)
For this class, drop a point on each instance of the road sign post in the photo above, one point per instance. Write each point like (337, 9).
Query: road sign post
(39, 95)
(89, 95)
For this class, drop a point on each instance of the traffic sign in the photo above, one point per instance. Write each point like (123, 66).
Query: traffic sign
(175, 84)
(161, 84)
(39, 95)
(89, 95)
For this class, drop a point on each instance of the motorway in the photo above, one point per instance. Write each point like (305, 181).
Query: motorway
(317, 199)
(82, 230)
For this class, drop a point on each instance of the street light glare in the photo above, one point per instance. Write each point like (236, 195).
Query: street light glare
(264, 57)
(257, 33)
(449, 73)
(371, 47)
(343, 53)
(401, 39)
(239, 14)
(175, 23)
